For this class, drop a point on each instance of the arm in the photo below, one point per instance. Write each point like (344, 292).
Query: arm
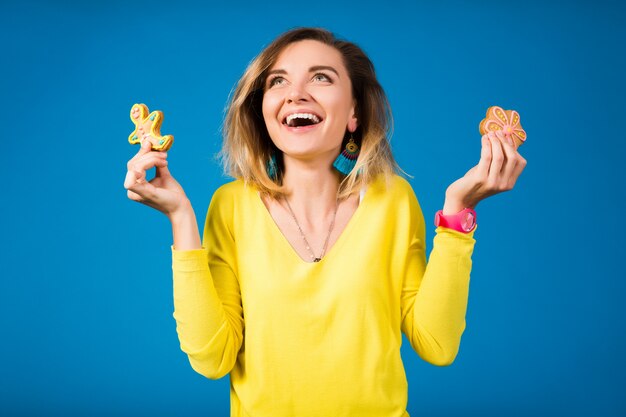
(207, 298)
(434, 295)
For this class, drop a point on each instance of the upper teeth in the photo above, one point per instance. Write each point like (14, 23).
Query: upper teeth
(313, 117)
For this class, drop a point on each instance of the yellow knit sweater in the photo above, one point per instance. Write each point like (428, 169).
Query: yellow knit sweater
(320, 339)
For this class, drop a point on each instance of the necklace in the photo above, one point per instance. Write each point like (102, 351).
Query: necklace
(306, 242)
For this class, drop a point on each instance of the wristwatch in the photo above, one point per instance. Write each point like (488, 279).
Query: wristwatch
(464, 221)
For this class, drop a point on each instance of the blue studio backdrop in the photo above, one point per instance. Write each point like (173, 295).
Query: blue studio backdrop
(86, 292)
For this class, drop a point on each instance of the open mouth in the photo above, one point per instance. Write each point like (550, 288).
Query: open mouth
(301, 120)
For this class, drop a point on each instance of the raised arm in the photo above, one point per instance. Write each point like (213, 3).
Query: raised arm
(207, 300)
(435, 295)
(207, 297)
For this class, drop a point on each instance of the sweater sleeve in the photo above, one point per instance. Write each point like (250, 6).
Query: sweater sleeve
(207, 297)
(435, 295)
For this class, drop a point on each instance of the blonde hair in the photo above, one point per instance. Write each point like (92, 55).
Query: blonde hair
(247, 146)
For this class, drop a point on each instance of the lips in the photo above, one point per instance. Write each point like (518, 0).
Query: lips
(301, 119)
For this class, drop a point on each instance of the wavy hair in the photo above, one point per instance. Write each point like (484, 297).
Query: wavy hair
(247, 146)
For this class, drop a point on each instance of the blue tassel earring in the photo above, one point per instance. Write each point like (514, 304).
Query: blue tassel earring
(272, 168)
(346, 160)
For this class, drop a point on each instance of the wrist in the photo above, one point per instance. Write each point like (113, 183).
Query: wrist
(454, 206)
(183, 211)
(185, 229)
(463, 220)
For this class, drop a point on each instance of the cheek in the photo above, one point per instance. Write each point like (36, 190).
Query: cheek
(270, 107)
(265, 108)
(340, 106)
(339, 99)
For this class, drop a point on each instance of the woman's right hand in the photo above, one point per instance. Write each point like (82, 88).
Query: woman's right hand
(163, 192)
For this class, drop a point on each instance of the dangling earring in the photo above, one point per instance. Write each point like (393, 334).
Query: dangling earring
(346, 160)
(272, 168)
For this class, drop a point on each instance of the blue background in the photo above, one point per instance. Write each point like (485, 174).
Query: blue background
(85, 295)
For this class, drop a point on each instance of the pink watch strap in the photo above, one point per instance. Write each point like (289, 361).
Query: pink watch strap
(463, 221)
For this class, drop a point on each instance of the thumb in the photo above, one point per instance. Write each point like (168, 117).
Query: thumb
(146, 145)
(162, 171)
(485, 157)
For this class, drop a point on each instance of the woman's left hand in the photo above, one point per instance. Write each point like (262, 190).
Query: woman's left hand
(498, 169)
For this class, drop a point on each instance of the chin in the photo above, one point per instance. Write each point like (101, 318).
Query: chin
(309, 152)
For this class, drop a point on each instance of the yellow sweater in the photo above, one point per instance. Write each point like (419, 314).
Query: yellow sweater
(320, 339)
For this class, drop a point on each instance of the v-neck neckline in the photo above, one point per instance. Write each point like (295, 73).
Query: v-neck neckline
(330, 253)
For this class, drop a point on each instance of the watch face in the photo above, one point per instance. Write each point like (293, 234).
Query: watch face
(468, 221)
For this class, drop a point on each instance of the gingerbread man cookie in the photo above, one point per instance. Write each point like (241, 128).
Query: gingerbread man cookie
(148, 126)
(507, 121)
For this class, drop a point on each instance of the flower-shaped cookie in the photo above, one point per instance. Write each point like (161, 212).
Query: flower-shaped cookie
(507, 121)
(148, 126)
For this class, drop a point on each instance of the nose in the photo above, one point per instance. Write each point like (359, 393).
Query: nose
(296, 93)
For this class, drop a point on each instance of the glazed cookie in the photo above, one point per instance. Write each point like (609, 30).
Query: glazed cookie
(148, 125)
(506, 120)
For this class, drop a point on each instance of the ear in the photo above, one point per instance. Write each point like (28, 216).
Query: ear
(353, 123)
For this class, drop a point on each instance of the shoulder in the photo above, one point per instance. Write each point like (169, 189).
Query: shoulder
(230, 189)
(223, 200)
(234, 199)
(395, 195)
(393, 187)
(223, 208)
(400, 185)
(232, 192)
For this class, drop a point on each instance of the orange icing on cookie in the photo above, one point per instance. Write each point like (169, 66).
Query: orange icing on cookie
(148, 126)
(508, 121)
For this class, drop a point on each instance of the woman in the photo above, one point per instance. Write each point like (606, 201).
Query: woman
(313, 260)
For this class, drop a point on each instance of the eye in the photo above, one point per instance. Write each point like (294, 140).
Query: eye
(320, 76)
(277, 80)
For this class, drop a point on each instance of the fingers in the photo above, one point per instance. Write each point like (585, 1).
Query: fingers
(482, 169)
(513, 163)
(497, 161)
(135, 180)
(133, 177)
(148, 161)
(144, 156)
(498, 169)
(510, 161)
(134, 196)
(162, 171)
(146, 148)
(146, 145)
(518, 163)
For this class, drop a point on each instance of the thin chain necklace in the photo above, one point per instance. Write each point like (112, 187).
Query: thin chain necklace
(306, 242)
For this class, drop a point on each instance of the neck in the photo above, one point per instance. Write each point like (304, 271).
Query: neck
(311, 189)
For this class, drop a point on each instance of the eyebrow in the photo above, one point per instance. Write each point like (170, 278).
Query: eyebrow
(312, 69)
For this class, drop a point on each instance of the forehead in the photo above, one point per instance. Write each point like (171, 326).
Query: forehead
(308, 53)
